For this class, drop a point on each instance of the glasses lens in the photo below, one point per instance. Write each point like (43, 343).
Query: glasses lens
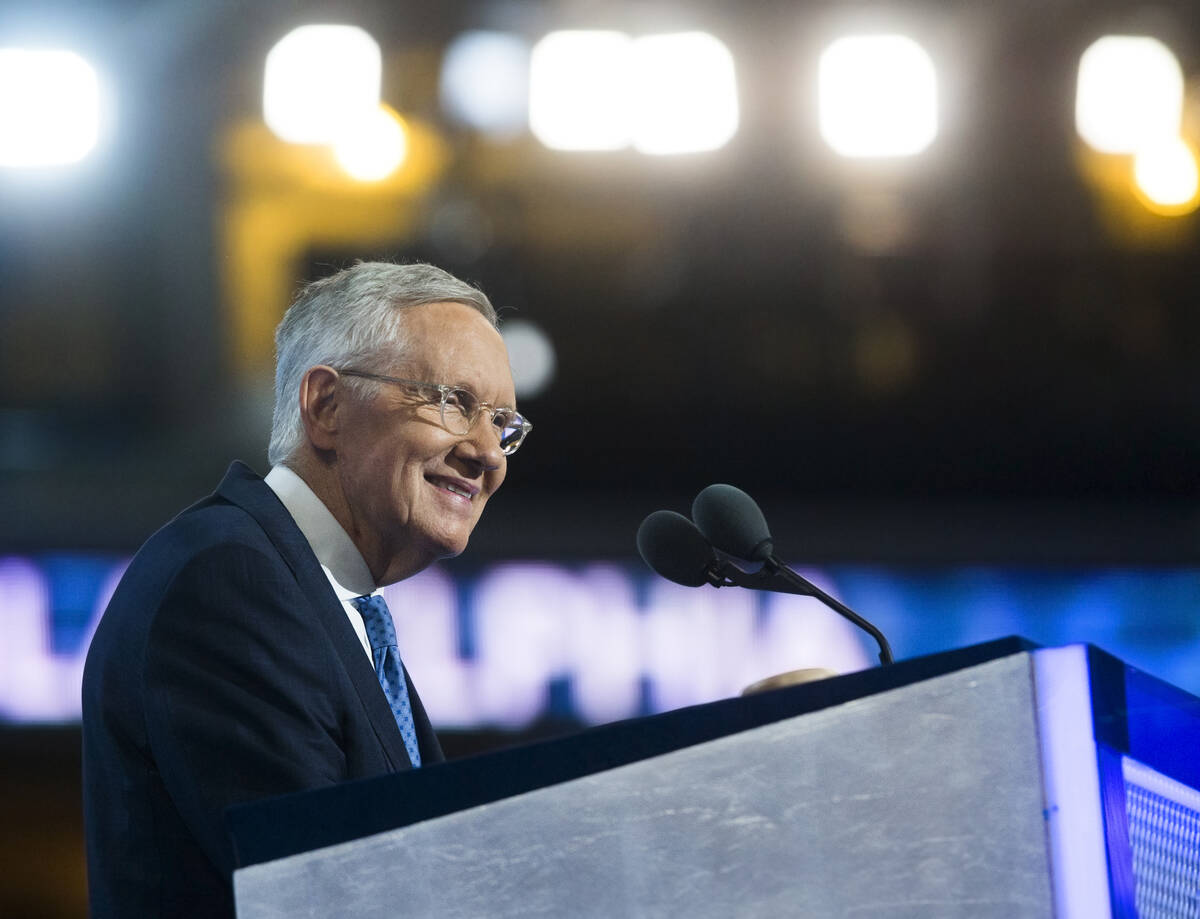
(458, 410)
(512, 428)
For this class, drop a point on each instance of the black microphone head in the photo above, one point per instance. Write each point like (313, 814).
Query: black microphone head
(671, 545)
(731, 521)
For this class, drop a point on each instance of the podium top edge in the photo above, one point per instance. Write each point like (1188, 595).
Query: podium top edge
(1132, 713)
(277, 827)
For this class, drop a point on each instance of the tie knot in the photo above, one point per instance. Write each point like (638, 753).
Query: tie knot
(381, 632)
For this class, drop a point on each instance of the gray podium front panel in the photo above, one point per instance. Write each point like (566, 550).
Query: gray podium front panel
(924, 801)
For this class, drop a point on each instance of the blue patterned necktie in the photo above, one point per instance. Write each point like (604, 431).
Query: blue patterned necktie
(381, 633)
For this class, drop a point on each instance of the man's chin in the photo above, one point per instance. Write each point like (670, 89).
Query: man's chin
(452, 551)
(413, 556)
(448, 546)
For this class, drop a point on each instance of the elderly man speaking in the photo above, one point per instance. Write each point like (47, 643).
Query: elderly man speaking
(248, 651)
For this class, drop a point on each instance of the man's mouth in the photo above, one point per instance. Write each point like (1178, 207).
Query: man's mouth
(454, 487)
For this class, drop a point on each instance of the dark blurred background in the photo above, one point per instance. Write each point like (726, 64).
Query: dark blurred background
(978, 357)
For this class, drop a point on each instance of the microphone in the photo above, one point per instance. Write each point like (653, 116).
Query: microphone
(731, 521)
(671, 545)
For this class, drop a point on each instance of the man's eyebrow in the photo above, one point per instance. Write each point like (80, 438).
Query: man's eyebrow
(474, 390)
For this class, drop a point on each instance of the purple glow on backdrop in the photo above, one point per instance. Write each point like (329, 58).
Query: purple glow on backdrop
(35, 684)
(528, 624)
(426, 630)
(607, 641)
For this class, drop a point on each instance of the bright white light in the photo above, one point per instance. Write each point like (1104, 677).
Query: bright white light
(49, 107)
(318, 79)
(373, 147)
(685, 96)
(580, 84)
(531, 354)
(877, 96)
(1167, 173)
(1129, 94)
(485, 82)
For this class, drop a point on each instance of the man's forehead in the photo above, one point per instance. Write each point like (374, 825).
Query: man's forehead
(457, 344)
(445, 322)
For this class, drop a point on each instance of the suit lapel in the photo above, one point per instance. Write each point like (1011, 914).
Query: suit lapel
(243, 487)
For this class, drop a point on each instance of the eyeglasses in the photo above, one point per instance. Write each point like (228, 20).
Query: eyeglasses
(460, 408)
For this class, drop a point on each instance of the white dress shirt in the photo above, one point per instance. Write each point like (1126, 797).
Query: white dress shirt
(340, 559)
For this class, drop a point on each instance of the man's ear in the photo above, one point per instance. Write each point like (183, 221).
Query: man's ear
(319, 401)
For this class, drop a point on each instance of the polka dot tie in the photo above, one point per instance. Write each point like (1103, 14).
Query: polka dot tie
(381, 633)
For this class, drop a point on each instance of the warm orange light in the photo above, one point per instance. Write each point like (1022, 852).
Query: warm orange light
(1166, 178)
(373, 147)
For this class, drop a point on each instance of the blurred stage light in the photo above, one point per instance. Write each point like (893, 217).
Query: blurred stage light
(49, 107)
(1167, 177)
(531, 354)
(685, 95)
(877, 96)
(373, 147)
(1129, 94)
(319, 79)
(664, 94)
(580, 84)
(485, 82)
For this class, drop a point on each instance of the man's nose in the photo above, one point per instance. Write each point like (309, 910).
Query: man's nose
(482, 443)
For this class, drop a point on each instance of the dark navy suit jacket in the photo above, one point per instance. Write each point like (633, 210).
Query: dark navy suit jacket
(224, 669)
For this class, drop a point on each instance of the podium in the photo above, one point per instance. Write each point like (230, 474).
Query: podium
(998, 780)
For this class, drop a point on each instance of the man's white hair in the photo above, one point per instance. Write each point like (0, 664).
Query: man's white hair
(353, 317)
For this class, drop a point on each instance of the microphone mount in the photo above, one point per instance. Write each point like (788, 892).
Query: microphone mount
(777, 577)
(729, 524)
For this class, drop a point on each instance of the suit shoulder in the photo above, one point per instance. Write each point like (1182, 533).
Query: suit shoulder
(210, 539)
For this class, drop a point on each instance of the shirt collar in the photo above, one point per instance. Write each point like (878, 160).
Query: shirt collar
(331, 544)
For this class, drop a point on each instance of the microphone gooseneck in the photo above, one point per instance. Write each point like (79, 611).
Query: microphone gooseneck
(807, 588)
